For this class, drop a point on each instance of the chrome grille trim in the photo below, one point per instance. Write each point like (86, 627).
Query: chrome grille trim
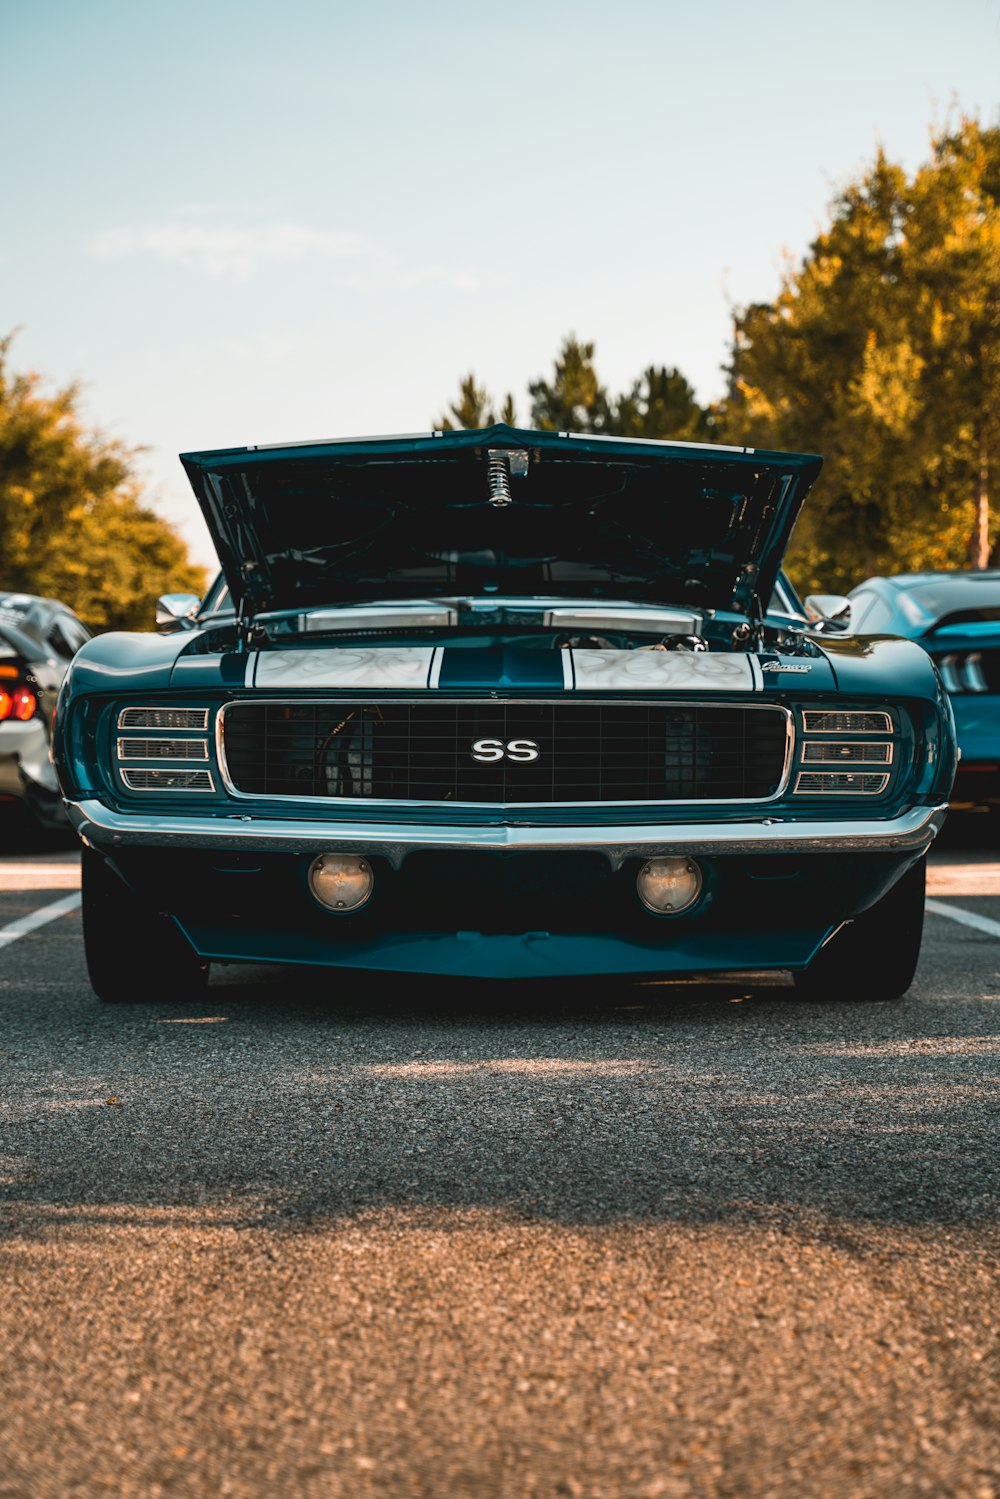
(859, 753)
(845, 721)
(817, 783)
(163, 718)
(337, 703)
(151, 779)
(162, 749)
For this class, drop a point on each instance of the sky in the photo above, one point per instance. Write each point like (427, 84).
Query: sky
(262, 222)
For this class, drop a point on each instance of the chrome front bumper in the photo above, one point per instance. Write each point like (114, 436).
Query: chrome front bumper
(101, 826)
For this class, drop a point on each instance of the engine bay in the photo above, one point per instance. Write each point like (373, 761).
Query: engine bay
(483, 624)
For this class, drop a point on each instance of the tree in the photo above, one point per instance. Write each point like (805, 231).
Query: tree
(659, 404)
(574, 400)
(882, 353)
(474, 408)
(954, 247)
(72, 525)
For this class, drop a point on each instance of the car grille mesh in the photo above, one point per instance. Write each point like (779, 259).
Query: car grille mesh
(587, 752)
(162, 749)
(163, 718)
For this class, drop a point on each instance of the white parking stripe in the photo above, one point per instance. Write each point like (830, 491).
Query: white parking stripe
(34, 919)
(967, 918)
(19, 877)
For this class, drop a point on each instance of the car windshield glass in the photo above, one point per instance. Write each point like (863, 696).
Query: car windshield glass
(14, 639)
(19, 612)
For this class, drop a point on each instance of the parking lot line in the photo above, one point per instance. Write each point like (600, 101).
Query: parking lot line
(64, 875)
(967, 918)
(34, 919)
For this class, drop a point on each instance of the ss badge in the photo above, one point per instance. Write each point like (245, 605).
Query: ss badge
(487, 751)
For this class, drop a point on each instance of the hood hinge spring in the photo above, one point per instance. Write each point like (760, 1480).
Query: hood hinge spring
(498, 479)
(503, 464)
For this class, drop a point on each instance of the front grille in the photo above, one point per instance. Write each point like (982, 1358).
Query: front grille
(586, 752)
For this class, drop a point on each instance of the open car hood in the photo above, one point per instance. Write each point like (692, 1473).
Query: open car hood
(500, 510)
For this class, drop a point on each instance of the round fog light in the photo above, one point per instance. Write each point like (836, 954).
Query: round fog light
(341, 882)
(668, 886)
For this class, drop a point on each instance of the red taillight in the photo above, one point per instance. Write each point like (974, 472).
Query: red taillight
(19, 703)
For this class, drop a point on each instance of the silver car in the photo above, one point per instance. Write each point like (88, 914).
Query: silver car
(38, 639)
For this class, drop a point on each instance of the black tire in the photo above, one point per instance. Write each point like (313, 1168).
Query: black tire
(132, 953)
(876, 955)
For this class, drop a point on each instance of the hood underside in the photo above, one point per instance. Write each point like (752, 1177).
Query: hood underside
(501, 510)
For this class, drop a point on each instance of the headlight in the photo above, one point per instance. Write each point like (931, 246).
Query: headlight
(341, 882)
(669, 886)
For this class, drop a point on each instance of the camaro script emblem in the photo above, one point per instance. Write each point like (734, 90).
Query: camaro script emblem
(489, 750)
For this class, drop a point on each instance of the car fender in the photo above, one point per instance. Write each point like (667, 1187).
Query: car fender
(903, 664)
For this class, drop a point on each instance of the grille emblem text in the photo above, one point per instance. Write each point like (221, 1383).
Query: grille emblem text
(489, 750)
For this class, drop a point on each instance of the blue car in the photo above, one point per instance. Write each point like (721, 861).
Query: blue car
(955, 616)
(503, 704)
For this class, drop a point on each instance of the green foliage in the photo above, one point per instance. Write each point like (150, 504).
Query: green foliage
(660, 403)
(574, 400)
(474, 408)
(882, 353)
(72, 526)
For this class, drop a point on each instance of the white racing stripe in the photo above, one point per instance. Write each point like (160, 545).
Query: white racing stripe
(35, 919)
(380, 667)
(967, 918)
(681, 671)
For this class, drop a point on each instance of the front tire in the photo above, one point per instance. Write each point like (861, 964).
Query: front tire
(876, 955)
(132, 953)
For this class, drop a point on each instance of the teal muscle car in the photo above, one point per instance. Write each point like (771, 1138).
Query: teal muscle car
(503, 704)
(955, 615)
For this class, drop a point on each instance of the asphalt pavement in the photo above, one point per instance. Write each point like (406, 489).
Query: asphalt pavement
(329, 1235)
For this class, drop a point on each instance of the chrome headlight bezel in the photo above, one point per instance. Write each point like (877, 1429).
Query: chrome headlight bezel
(846, 752)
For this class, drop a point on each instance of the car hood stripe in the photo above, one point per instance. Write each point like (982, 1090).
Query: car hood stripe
(495, 668)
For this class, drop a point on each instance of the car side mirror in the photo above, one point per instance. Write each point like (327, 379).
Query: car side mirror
(177, 611)
(828, 611)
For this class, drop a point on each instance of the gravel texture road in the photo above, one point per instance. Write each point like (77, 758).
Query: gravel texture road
(323, 1235)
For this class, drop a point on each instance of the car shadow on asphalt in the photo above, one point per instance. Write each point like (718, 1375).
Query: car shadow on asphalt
(302, 1100)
